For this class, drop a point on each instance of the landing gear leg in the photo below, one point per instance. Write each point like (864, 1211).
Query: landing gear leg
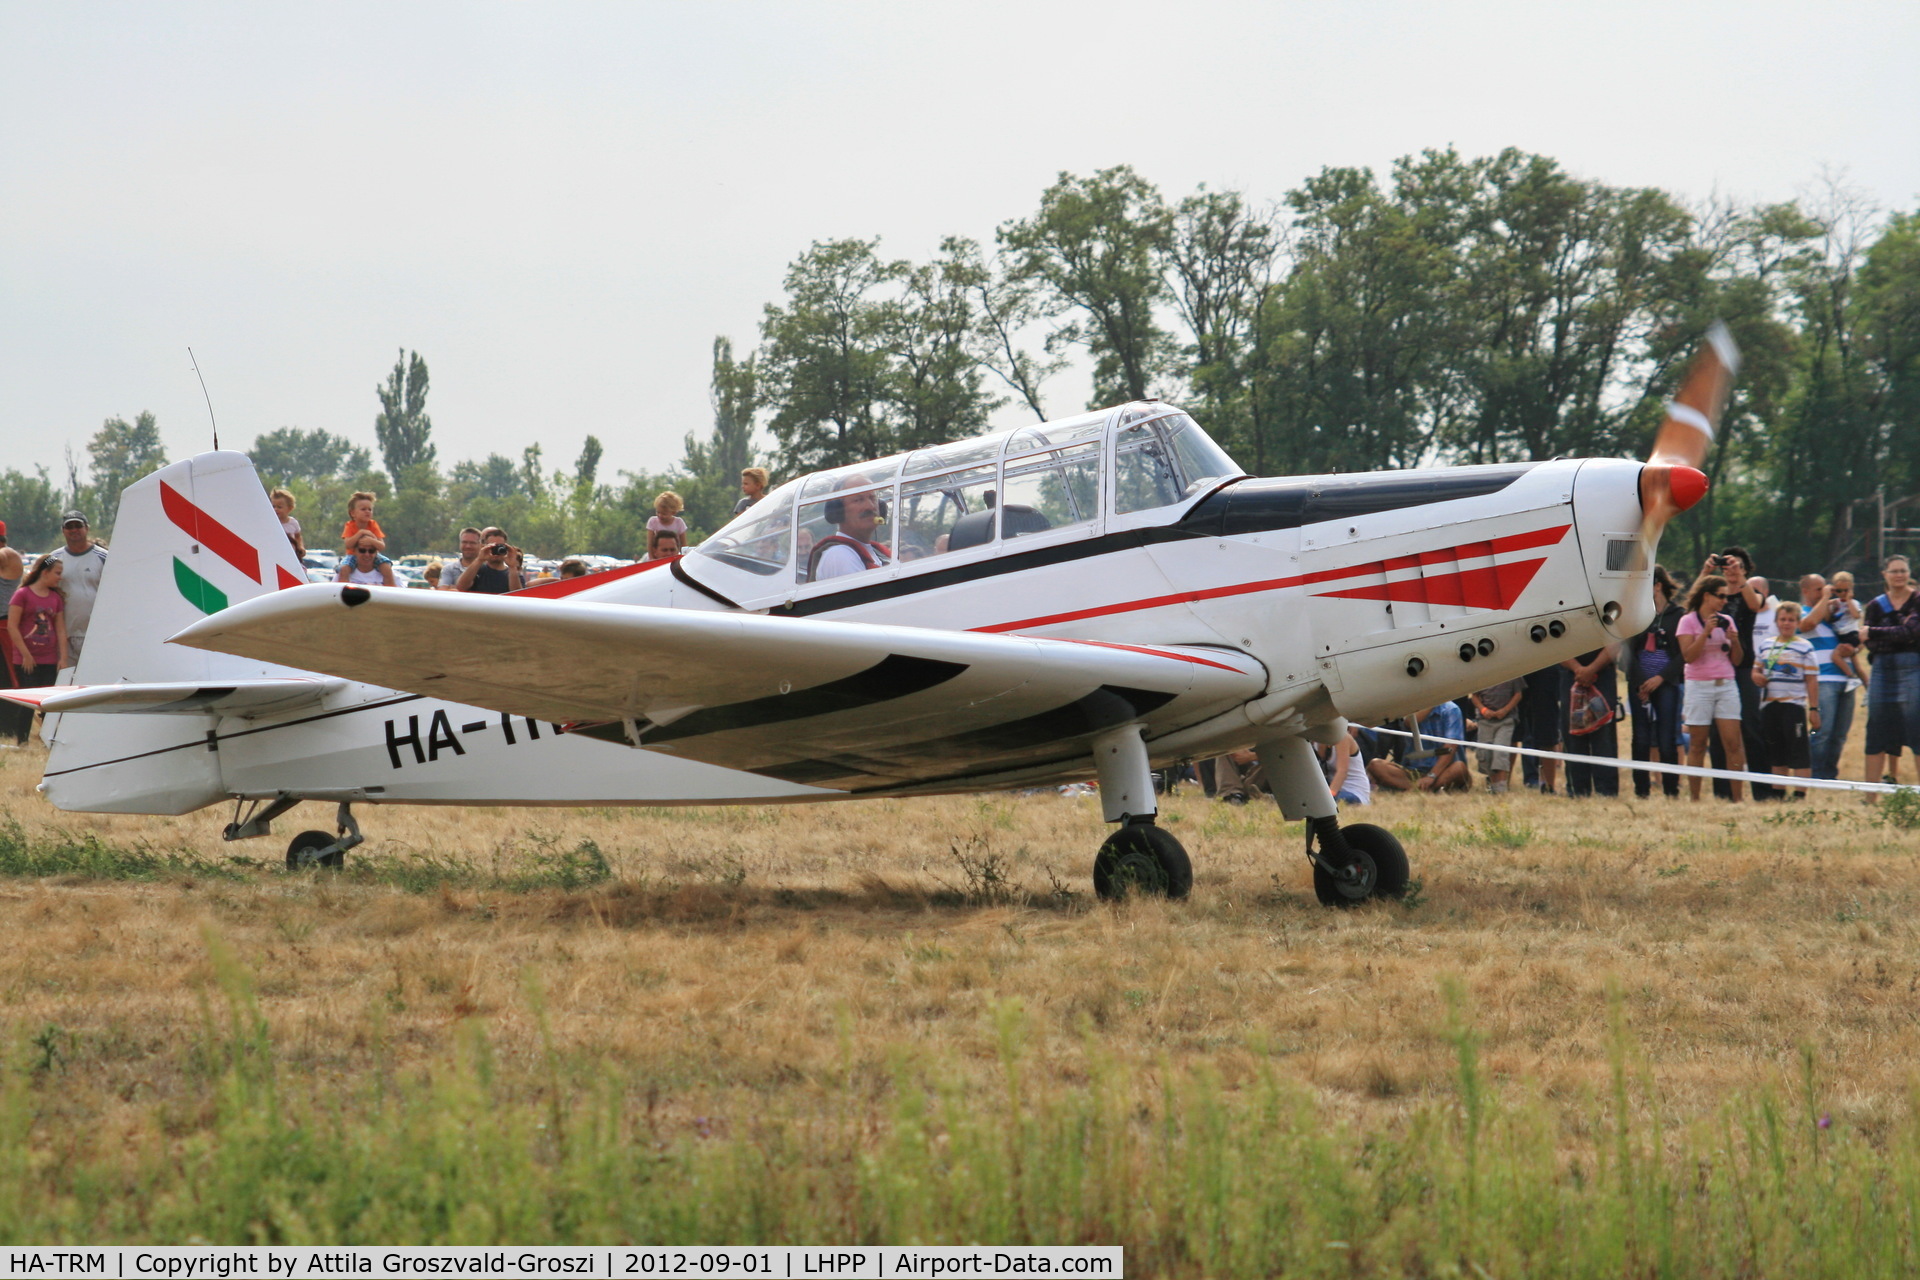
(1352, 864)
(258, 819)
(318, 849)
(1139, 857)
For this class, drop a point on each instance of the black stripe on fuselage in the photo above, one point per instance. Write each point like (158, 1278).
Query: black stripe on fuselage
(1105, 707)
(681, 575)
(1011, 562)
(1246, 506)
(1293, 502)
(895, 676)
(238, 733)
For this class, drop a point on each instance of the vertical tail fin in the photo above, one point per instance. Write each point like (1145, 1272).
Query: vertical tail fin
(191, 539)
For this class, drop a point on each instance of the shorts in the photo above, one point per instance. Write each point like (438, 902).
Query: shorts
(1499, 733)
(1893, 703)
(1783, 727)
(1710, 700)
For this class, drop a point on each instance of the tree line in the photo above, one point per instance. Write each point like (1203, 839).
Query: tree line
(550, 511)
(1455, 310)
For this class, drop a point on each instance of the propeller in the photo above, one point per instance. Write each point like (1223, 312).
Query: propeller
(1671, 481)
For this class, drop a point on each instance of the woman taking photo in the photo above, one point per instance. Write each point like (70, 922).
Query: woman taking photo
(1891, 629)
(36, 646)
(1710, 647)
(367, 568)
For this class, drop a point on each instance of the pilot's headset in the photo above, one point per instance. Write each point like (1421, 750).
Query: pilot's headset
(835, 510)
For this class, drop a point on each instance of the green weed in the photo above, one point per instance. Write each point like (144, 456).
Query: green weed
(1497, 829)
(88, 857)
(986, 876)
(1901, 810)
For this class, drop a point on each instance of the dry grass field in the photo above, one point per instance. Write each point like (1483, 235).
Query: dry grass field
(1659, 1025)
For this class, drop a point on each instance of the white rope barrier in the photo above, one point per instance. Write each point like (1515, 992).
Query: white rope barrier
(1684, 770)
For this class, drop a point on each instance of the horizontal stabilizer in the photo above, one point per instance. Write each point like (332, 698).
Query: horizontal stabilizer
(233, 698)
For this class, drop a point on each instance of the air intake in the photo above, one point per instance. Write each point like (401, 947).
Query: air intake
(1626, 555)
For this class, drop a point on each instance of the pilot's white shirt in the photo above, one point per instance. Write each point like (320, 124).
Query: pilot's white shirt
(841, 559)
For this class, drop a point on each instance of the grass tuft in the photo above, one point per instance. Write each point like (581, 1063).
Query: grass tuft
(87, 857)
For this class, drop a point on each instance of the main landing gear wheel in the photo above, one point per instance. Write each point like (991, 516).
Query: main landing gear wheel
(1381, 864)
(1141, 858)
(301, 853)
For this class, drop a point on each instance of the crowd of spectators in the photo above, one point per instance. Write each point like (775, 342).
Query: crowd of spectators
(488, 562)
(1726, 675)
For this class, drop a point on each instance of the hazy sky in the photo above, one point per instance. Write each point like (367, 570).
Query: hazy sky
(560, 205)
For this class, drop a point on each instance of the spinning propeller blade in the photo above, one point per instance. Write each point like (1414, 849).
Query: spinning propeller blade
(1672, 480)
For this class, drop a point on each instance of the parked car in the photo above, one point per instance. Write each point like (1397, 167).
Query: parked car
(596, 563)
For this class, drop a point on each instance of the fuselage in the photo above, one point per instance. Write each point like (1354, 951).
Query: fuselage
(1363, 596)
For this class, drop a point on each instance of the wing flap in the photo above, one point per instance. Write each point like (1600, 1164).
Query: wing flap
(851, 702)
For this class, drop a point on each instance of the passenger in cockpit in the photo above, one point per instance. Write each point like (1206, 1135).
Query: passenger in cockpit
(852, 549)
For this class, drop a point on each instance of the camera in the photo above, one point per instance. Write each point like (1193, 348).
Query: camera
(499, 549)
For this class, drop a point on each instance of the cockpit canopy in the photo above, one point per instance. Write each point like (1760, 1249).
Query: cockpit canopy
(1044, 482)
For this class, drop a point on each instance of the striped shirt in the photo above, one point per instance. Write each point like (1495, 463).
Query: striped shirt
(1824, 642)
(1788, 663)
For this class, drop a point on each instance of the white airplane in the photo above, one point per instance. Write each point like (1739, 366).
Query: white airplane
(1100, 595)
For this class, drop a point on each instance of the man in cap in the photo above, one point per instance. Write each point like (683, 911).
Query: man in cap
(82, 560)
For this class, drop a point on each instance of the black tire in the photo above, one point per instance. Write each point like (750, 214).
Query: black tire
(1142, 859)
(1383, 861)
(306, 840)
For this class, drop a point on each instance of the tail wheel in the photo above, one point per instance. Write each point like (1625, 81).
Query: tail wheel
(1383, 868)
(301, 853)
(1142, 859)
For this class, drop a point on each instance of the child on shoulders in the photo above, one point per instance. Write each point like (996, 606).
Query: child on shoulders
(360, 520)
(666, 519)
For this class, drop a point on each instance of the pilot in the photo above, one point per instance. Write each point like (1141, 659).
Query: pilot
(852, 549)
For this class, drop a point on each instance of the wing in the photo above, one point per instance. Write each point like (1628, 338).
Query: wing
(836, 704)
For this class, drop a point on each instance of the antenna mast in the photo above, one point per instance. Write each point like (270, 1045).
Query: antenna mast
(209, 399)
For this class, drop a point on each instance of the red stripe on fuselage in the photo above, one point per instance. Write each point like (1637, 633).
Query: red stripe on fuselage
(209, 533)
(1512, 542)
(587, 582)
(1509, 580)
(1162, 653)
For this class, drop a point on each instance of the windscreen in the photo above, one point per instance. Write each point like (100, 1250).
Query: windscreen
(759, 539)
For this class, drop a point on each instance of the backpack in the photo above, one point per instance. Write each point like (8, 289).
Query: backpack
(1587, 711)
